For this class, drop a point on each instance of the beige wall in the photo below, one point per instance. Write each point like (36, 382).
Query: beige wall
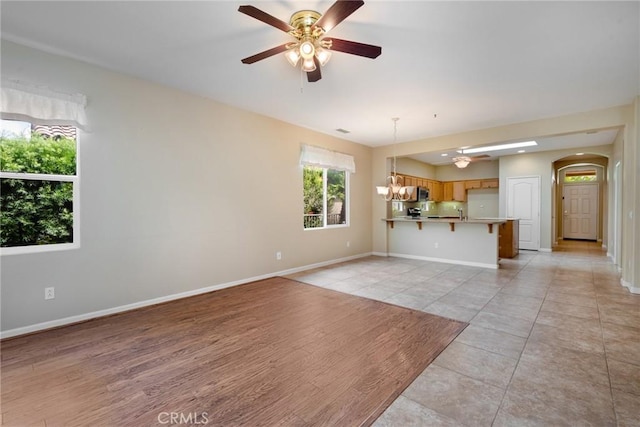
(415, 168)
(475, 170)
(178, 193)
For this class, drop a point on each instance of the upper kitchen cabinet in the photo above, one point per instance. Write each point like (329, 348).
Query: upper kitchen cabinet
(490, 183)
(435, 190)
(454, 191)
(473, 184)
(481, 183)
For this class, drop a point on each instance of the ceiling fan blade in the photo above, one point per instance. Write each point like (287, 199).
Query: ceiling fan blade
(337, 13)
(315, 75)
(256, 13)
(355, 48)
(267, 53)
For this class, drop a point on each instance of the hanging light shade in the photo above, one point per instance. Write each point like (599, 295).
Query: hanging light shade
(461, 162)
(293, 56)
(395, 188)
(323, 55)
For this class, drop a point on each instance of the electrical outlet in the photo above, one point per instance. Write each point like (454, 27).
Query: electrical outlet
(49, 293)
(278, 255)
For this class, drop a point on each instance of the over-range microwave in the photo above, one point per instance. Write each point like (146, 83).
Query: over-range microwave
(421, 194)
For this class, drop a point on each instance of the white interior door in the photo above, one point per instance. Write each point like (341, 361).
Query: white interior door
(523, 203)
(580, 211)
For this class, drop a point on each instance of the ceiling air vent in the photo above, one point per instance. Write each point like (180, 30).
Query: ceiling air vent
(342, 130)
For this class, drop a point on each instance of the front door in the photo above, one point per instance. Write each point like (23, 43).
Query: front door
(580, 209)
(523, 203)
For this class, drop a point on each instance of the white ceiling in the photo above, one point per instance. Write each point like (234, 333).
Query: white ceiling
(472, 65)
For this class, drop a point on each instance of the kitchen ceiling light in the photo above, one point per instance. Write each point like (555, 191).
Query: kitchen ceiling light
(498, 147)
(461, 162)
(395, 190)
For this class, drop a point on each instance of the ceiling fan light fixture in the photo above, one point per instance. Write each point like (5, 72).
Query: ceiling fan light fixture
(307, 50)
(308, 28)
(293, 56)
(461, 162)
(308, 65)
(323, 55)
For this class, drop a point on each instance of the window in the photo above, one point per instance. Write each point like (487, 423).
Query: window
(325, 197)
(325, 177)
(580, 176)
(39, 187)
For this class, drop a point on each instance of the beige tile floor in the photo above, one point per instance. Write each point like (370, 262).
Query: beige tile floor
(553, 340)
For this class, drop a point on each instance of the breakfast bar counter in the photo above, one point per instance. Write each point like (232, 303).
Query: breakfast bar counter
(472, 242)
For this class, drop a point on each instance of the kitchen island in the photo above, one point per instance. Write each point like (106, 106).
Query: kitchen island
(472, 242)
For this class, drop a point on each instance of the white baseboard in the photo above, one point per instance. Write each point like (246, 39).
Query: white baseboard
(545, 250)
(446, 261)
(127, 307)
(633, 289)
(380, 254)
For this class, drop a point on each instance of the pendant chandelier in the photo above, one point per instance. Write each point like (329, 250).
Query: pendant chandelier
(395, 188)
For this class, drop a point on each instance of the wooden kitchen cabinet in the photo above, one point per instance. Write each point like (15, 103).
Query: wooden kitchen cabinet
(508, 239)
(447, 190)
(408, 181)
(454, 191)
(490, 183)
(459, 191)
(473, 184)
(435, 191)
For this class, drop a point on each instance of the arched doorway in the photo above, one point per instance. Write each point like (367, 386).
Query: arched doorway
(581, 197)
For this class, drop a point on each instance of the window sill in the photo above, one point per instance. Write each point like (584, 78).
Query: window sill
(36, 249)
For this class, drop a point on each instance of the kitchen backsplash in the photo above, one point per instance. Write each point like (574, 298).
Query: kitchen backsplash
(430, 208)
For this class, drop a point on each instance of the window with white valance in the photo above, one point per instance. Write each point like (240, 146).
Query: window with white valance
(325, 179)
(323, 158)
(39, 173)
(42, 105)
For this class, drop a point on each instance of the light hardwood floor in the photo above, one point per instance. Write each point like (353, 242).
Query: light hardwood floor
(274, 352)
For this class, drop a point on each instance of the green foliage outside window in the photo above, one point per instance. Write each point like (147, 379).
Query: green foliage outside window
(36, 211)
(580, 178)
(314, 196)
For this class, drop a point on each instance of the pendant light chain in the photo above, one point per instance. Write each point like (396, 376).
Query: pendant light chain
(395, 190)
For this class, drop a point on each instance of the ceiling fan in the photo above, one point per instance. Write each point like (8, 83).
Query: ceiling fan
(463, 161)
(308, 28)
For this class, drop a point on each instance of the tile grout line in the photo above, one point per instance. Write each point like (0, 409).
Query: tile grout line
(604, 348)
(506, 389)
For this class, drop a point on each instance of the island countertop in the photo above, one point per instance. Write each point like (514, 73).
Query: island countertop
(448, 220)
(471, 241)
